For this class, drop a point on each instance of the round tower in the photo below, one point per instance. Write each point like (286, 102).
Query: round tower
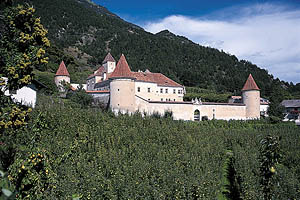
(251, 98)
(122, 95)
(62, 75)
(122, 88)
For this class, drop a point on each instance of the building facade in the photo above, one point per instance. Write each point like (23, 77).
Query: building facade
(26, 95)
(146, 92)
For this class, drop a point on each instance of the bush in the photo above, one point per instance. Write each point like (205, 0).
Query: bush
(80, 97)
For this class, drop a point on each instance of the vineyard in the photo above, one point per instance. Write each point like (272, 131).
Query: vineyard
(66, 152)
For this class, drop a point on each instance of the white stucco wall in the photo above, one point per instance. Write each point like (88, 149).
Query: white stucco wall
(181, 111)
(223, 111)
(264, 109)
(26, 95)
(109, 66)
(155, 92)
(122, 96)
(76, 86)
(251, 98)
(185, 110)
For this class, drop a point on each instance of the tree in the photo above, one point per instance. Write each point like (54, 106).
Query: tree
(275, 110)
(22, 48)
(81, 97)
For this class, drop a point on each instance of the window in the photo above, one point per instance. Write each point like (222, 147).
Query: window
(149, 99)
(167, 90)
(174, 91)
(174, 99)
(118, 89)
(161, 99)
(138, 89)
(161, 90)
(196, 115)
(149, 90)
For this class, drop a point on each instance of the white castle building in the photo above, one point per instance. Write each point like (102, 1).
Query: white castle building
(147, 92)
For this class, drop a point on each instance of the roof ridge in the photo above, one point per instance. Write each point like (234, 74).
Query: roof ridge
(62, 70)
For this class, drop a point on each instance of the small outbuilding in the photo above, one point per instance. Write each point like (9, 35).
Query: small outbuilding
(26, 95)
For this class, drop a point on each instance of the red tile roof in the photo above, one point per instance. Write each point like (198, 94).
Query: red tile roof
(236, 97)
(97, 91)
(72, 88)
(122, 69)
(62, 70)
(250, 84)
(158, 78)
(98, 72)
(108, 58)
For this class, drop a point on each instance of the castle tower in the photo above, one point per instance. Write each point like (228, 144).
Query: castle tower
(122, 88)
(61, 75)
(109, 63)
(251, 98)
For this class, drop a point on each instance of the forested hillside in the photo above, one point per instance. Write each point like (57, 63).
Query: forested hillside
(82, 33)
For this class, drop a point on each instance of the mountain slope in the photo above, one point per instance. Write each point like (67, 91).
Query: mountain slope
(86, 32)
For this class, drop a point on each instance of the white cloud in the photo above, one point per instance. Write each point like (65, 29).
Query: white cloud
(267, 35)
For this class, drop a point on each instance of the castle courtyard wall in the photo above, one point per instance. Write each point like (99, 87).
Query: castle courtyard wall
(186, 110)
(181, 110)
(223, 111)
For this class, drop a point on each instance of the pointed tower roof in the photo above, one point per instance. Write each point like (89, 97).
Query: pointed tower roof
(122, 69)
(108, 58)
(62, 70)
(250, 84)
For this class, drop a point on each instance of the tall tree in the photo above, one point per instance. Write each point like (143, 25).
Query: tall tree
(22, 47)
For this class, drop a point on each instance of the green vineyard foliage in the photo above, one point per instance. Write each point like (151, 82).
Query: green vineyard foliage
(92, 154)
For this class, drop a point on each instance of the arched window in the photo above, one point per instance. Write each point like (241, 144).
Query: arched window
(197, 115)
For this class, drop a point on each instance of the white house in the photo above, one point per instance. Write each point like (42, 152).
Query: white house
(25, 95)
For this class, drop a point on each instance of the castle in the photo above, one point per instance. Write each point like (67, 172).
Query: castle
(127, 91)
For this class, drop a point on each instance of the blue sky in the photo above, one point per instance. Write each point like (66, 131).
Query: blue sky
(262, 31)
